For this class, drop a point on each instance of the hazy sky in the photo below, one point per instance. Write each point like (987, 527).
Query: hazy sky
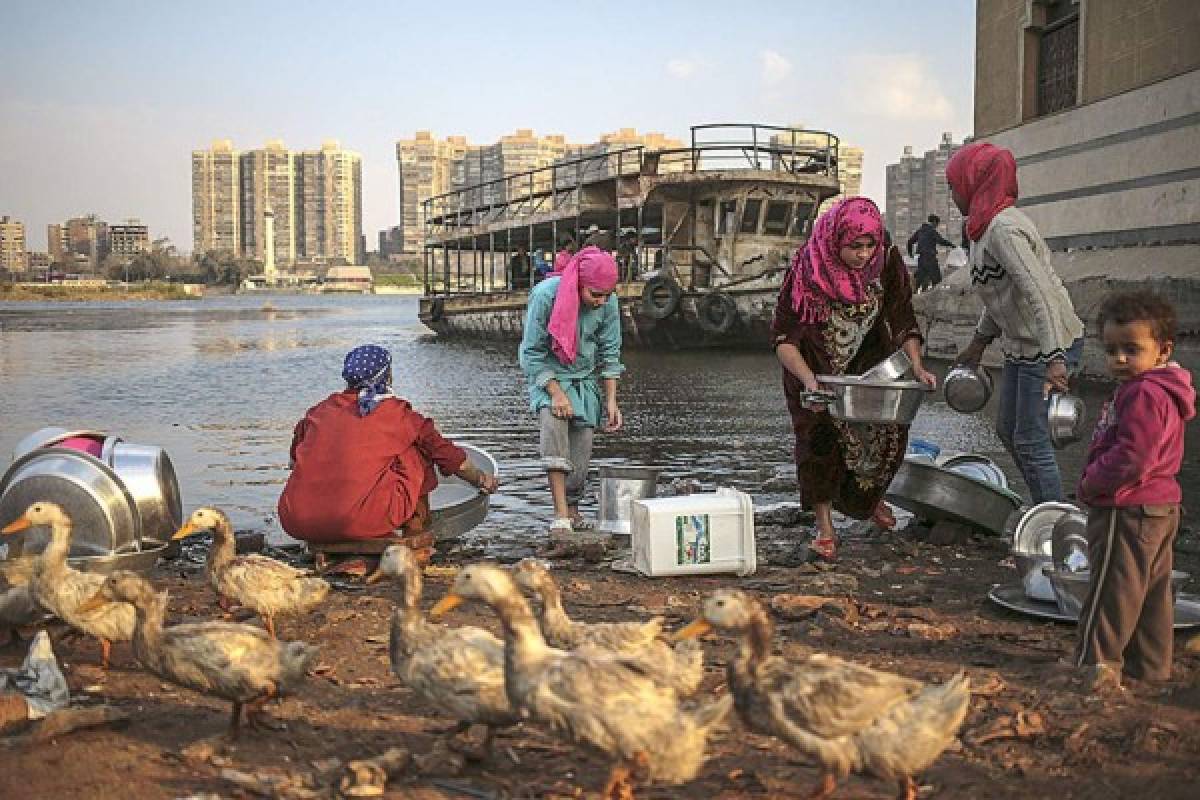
(101, 103)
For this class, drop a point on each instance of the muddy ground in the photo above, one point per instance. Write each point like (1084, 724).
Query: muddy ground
(916, 608)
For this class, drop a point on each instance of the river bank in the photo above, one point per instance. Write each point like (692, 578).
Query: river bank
(68, 292)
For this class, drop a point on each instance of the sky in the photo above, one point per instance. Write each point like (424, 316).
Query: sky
(102, 103)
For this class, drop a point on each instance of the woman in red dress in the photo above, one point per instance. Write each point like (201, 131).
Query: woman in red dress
(845, 305)
(363, 461)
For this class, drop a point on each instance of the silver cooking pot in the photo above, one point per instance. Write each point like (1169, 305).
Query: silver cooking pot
(150, 479)
(1064, 419)
(967, 388)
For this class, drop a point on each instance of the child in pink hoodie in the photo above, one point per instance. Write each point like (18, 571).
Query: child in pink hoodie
(1129, 485)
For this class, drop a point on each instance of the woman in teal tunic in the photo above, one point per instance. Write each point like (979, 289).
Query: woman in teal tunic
(571, 355)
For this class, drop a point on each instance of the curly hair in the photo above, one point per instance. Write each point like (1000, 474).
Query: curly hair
(1122, 308)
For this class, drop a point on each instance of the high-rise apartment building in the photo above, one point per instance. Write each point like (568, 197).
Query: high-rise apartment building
(128, 238)
(87, 240)
(329, 205)
(269, 182)
(916, 188)
(57, 245)
(216, 199)
(12, 245)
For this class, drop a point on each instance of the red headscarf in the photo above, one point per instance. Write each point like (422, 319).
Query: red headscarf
(985, 178)
(590, 267)
(819, 274)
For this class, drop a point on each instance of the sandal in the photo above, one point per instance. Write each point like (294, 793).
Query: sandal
(883, 518)
(823, 548)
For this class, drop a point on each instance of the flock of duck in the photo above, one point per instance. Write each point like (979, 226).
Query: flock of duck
(618, 689)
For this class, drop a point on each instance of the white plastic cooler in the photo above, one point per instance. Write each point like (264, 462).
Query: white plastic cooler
(694, 534)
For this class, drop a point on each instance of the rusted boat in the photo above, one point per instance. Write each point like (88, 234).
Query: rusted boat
(703, 234)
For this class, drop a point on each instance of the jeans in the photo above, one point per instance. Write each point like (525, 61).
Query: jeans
(1022, 427)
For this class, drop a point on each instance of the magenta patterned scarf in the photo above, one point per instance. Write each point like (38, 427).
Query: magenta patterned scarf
(819, 276)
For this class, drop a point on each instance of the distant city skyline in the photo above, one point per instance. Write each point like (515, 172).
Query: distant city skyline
(104, 127)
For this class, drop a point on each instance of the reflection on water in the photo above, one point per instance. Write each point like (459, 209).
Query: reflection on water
(221, 382)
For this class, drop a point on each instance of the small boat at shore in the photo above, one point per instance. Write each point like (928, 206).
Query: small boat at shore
(706, 232)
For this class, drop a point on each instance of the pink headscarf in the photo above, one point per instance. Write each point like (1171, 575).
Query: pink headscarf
(590, 267)
(561, 259)
(819, 276)
(985, 177)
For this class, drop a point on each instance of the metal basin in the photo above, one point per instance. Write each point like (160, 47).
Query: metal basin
(104, 516)
(934, 493)
(1071, 588)
(140, 561)
(150, 479)
(976, 466)
(619, 487)
(1064, 418)
(1033, 579)
(48, 437)
(1035, 532)
(455, 505)
(1069, 544)
(967, 388)
(857, 400)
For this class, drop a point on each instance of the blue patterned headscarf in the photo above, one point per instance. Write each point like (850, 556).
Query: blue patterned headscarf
(366, 369)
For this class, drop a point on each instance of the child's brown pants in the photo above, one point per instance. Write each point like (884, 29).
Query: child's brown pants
(1128, 618)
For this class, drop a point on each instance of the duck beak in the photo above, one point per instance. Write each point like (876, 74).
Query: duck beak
(92, 603)
(187, 530)
(448, 603)
(19, 524)
(374, 577)
(696, 629)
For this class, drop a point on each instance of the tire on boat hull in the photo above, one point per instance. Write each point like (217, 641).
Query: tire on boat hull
(716, 312)
(660, 297)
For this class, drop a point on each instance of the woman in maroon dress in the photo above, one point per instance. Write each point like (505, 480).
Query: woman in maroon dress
(845, 305)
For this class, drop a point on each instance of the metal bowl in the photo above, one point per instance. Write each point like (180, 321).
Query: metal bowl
(1071, 588)
(103, 513)
(934, 493)
(1069, 544)
(141, 561)
(1033, 579)
(892, 368)
(1064, 418)
(856, 400)
(150, 478)
(967, 388)
(455, 505)
(977, 466)
(48, 437)
(1034, 534)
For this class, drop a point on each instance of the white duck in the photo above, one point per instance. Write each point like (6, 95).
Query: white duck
(62, 590)
(459, 670)
(591, 696)
(268, 586)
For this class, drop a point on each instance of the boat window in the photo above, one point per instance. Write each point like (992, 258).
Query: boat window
(750, 215)
(728, 218)
(779, 214)
(800, 221)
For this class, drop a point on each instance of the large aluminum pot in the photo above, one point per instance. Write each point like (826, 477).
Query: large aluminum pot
(48, 437)
(103, 513)
(967, 388)
(455, 505)
(1064, 418)
(619, 487)
(150, 479)
(857, 400)
(934, 493)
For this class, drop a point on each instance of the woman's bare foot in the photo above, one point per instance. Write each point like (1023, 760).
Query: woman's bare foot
(883, 517)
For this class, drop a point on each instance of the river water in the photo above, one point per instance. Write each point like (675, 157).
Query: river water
(220, 382)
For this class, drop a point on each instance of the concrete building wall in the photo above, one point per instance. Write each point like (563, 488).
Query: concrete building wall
(916, 188)
(129, 238)
(269, 181)
(12, 245)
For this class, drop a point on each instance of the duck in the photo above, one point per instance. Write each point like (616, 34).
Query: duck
(268, 586)
(18, 606)
(458, 670)
(239, 663)
(682, 666)
(845, 716)
(62, 590)
(609, 703)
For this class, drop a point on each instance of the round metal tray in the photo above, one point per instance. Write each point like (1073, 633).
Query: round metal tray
(103, 513)
(1012, 596)
(456, 506)
(141, 561)
(933, 493)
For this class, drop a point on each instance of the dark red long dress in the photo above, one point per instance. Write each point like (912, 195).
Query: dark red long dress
(359, 477)
(848, 465)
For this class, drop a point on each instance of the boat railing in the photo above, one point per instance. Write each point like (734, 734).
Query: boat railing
(560, 186)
